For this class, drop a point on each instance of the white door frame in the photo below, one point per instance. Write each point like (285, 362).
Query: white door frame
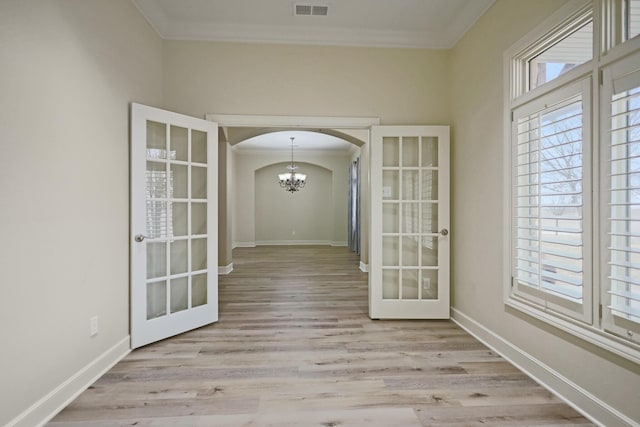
(296, 122)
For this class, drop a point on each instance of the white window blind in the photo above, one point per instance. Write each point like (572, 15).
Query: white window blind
(624, 202)
(548, 200)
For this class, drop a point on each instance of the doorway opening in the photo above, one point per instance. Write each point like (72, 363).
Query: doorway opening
(237, 216)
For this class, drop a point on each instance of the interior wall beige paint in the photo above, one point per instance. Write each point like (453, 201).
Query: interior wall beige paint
(246, 163)
(66, 80)
(303, 216)
(400, 86)
(477, 210)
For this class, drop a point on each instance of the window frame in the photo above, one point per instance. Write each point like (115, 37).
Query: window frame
(542, 300)
(596, 325)
(612, 73)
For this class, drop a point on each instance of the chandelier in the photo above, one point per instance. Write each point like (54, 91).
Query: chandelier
(292, 181)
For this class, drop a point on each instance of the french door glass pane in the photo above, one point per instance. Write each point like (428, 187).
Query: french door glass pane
(429, 185)
(410, 179)
(410, 251)
(172, 184)
(179, 256)
(390, 217)
(180, 217)
(179, 149)
(198, 290)
(156, 140)
(390, 152)
(156, 259)
(390, 284)
(179, 294)
(390, 187)
(178, 182)
(429, 284)
(198, 254)
(411, 218)
(198, 182)
(156, 299)
(390, 254)
(429, 251)
(429, 151)
(429, 218)
(410, 151)
(410, 187)
(198, 218)
(198, 146)
(410, 283)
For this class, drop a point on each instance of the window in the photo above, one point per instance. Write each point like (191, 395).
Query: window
(622, 188)
(566, 54)
(548, 197)
(574, 200)
(630, 19)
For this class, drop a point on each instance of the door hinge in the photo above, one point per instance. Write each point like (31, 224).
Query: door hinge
(512, 116)
(600, 311)
(601, 77)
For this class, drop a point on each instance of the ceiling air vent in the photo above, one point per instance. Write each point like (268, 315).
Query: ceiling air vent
(310, 10)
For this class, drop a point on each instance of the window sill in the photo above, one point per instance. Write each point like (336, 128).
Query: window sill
(604, 340)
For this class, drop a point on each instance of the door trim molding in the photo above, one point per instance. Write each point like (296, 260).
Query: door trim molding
(244, 120)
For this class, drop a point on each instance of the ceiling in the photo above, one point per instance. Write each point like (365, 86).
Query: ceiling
(434, 24)
(304, 141)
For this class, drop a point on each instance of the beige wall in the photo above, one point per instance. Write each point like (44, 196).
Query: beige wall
(66, 81)
(401, 86)
(245, 166)
(303, 216)
(477, 207)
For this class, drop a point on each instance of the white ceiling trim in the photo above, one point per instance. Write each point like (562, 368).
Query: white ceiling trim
(172, 29)
(308, 35)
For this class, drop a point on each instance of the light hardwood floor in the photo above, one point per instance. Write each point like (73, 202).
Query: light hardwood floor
(294, 347)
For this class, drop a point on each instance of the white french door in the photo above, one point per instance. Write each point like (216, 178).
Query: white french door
(409, 275)
(174, 224)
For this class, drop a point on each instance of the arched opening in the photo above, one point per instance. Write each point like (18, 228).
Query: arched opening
(238, 165)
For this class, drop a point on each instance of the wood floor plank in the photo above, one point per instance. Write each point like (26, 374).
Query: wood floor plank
(294, 347)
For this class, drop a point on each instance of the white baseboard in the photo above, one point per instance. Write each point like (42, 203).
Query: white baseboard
(225, 269)
(575, 396)
(292, 242)
(46, 408)
(364, 267)
(244, 245)
(334, 243)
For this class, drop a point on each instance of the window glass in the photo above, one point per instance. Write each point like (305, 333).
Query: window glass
(548, 200)
(563, 56)
(624, 202)
(631, 18)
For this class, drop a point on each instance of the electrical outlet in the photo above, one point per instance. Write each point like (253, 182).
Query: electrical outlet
(93, 326)
(293, 232)
(426, 283)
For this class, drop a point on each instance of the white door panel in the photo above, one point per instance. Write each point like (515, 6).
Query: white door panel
(409, 276)
(174, 224)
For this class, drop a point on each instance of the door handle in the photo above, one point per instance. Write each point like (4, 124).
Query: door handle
(444, 231)
(139, 237)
